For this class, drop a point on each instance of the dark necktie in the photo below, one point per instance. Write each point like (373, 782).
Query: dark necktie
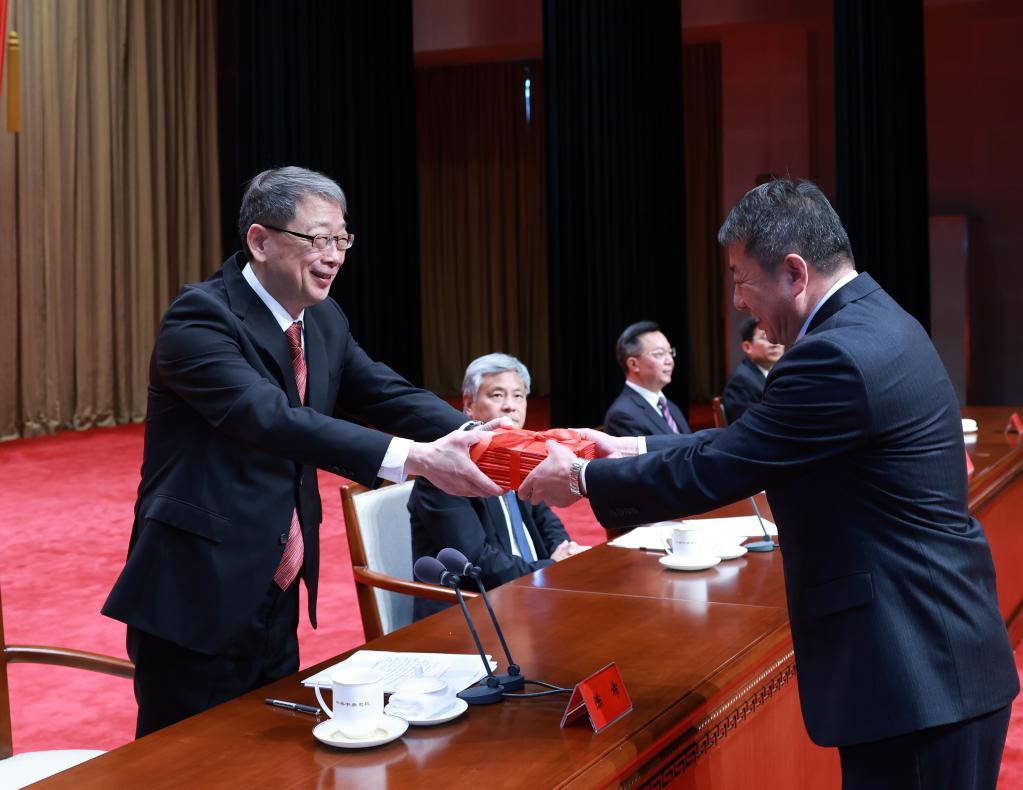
(294, 550)
(662, 404)
(518, 529)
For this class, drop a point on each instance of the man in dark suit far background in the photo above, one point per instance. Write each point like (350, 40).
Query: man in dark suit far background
(746, 385)
(903, 658)
(251, 382)
(642, 409)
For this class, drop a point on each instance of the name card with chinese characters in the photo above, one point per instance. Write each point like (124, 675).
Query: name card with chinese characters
(602, 697)
(1015, 423)
(969, 464)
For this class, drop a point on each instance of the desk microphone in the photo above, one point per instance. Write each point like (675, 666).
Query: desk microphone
(761, 545)
(459, 564)
(429, 570)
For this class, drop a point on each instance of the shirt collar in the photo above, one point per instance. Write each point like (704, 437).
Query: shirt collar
(831, 292)
(283, 316)
(650, 397)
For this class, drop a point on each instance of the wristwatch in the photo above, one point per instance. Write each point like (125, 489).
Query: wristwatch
(575, 474)
(472, 425)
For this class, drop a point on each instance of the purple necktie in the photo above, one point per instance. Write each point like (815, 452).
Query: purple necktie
(662, 404)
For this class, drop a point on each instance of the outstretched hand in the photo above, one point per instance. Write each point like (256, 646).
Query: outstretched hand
(548, 482)
(445, 462)
(610, 446)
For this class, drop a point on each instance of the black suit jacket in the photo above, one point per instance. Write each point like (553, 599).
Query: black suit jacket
(230, 453)
(630, 415)
(890, 582)
(744, 388)
(476, 526)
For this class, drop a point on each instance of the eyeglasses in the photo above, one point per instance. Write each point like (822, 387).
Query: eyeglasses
(658, 353)
(320, 242)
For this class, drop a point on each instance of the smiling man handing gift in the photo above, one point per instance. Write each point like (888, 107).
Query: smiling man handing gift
(249, 370)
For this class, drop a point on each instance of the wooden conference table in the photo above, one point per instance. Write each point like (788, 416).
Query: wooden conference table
(706, 657)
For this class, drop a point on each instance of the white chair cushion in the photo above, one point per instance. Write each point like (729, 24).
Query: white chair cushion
(24, 769)
(387, 538)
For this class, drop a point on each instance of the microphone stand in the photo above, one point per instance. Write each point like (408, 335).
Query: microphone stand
(489, 690)
(456, 562)
(761, 545)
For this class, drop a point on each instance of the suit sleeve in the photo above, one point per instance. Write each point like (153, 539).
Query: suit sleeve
(814, 410)
(549, 526)
(453, 521)
(200, 357)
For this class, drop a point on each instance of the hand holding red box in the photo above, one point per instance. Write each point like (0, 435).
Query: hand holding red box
(507, 455)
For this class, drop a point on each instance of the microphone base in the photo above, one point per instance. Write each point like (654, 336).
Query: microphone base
(511, 682)
(482, 694)
(761, 545)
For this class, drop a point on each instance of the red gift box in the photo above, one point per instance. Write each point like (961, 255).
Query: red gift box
(507, 455)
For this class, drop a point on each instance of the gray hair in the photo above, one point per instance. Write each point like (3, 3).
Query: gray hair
(787, 216)
(272, 197)
(488, 365)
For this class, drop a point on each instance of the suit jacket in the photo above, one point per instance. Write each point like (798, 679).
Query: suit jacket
(890, 582)
(630, 415)
(230, 453)
(476, 526)
(744, 388)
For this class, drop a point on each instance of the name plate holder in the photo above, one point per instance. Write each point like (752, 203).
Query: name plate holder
(601, 696)
(1015, 424)
(969, 464)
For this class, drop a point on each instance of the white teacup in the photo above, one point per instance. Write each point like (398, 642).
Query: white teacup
(358, 697)
(420, 698)
(688, 540)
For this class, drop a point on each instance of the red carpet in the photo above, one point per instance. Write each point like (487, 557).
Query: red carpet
(66, 518)
(65, 523)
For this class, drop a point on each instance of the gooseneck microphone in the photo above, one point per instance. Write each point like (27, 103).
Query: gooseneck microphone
(459, 564)
(761, 545)
(430, 571)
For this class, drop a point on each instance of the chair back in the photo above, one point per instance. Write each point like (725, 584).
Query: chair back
(380, 540)
(718, 408)
(34, 766)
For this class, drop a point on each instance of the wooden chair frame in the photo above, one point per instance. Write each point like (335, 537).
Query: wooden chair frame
(366, 578)
(718, 409)
(55, 656)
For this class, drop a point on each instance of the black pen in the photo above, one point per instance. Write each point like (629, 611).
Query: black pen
(281, 703)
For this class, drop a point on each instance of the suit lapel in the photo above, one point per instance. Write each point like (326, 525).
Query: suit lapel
(496, 512)
(855, 289)
(260, 324)
(654, 420)
(316, 363)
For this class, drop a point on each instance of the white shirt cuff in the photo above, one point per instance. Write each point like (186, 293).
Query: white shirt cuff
(393, 466)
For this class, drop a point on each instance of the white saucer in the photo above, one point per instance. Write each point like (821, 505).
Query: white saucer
(693, 562)
(453, 711)
(730, 552)
(390, 728)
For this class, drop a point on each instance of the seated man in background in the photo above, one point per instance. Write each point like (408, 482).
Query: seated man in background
(503, 535)
(641, 409)
(746, 386)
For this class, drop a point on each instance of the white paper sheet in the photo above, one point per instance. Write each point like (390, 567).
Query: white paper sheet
(458, 670)
(651, 536)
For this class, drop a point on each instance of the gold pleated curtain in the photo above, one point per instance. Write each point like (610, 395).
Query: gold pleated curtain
(482, 216)
(109, 202)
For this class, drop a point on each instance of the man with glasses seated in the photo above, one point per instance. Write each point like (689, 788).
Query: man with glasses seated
(503, 535)
(254, 383)
(642, 409)
(746, 386)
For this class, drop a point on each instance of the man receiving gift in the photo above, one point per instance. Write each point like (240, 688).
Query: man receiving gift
(503, 535)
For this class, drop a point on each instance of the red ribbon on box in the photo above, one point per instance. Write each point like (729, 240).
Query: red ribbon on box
(507, 455)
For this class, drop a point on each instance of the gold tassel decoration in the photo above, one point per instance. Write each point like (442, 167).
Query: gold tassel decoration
(13, 83)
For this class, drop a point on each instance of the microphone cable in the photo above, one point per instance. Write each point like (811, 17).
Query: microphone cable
(552, 689)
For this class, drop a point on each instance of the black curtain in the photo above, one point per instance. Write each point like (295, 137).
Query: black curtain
(328, 85)
(616, 192)
(881, 144)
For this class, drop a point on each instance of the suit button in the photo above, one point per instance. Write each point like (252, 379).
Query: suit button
(284, 538)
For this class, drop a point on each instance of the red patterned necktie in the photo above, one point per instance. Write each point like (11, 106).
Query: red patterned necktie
(662, 402)
(294, 550)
